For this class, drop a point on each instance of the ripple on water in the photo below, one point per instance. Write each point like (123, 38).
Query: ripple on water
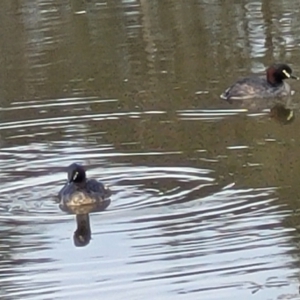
(208, 114)
(167, 229)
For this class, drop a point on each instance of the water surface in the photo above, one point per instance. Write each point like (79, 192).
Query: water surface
(205, 193)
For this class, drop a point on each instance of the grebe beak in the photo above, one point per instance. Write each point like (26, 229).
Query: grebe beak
(288, 75)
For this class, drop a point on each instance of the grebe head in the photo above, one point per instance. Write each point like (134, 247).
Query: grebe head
(76, 173)
(278, 72)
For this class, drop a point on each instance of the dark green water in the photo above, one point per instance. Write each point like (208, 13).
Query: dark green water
(205, 193)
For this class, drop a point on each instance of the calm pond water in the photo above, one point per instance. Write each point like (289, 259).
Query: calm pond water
(205, 193)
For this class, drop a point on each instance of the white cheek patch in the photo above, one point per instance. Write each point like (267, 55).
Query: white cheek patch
(286, 73)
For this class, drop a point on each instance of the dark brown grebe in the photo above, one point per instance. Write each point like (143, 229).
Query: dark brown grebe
(272, 85)
(82, 191)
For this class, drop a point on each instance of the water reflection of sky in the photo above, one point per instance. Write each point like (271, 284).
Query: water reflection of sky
(204, 193)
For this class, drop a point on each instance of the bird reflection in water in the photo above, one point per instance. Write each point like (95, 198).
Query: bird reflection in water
(83, 233)
(81, 196)
(282, 114)
(282, 111)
